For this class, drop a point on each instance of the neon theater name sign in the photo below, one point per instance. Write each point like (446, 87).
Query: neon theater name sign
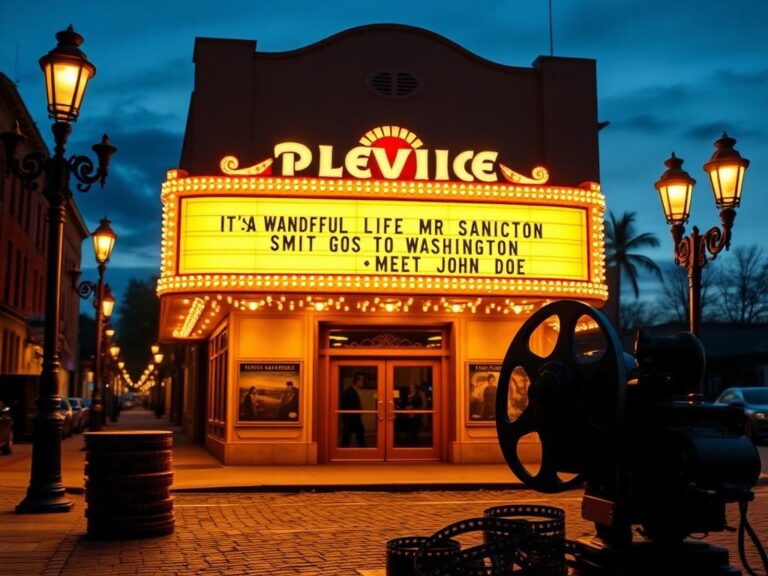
(396, 156)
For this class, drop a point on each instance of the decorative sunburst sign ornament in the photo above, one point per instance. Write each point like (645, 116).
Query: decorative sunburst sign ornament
(393, 140)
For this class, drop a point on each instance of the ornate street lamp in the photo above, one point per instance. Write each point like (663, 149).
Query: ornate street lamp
(103, 242)
(107, 305)
(104, 239)
(726, 174)
(67, 72)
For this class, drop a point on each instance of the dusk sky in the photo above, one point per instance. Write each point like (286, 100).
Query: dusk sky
(671, 76)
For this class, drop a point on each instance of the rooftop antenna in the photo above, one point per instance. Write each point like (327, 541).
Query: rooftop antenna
(551, 36)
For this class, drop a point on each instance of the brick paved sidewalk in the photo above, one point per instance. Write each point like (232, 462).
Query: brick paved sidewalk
(308, 534)
(304, 533)
(196, 469)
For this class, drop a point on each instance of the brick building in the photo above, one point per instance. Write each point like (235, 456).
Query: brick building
(23, 249)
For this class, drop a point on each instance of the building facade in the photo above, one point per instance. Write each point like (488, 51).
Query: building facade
(23, 249)
(357, 230)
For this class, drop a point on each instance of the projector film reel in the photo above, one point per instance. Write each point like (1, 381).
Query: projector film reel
(575, 396)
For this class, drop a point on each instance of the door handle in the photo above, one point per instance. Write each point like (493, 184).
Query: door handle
(381, 410)
(390, 413)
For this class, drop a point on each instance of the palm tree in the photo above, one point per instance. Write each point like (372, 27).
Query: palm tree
(621, 244)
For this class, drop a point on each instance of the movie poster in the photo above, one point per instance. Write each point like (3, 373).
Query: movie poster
(269, 392)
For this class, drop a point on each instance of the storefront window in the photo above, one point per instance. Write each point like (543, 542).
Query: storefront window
(217, 385)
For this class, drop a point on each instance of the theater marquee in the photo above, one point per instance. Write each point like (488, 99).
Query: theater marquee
(404, 230)
(365, 237)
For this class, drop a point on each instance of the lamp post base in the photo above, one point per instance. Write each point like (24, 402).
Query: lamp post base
(96, 417)
(45, 501)
(46, 491)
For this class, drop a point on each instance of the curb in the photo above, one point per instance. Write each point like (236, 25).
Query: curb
(374, 487)
(325, 488)
(400, 487)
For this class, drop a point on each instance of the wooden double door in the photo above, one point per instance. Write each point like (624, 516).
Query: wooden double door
(385, 409)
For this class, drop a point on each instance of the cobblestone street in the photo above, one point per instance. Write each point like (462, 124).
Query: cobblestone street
(336, 533)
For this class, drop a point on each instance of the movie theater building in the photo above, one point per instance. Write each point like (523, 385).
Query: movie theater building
(355, 233)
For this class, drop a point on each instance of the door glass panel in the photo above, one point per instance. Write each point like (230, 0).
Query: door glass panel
(358, 406)
(414, 431)
(412, 398)
(352, 432)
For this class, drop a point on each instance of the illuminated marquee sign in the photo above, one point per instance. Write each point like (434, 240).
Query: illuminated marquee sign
(362, 237)
(388, 216)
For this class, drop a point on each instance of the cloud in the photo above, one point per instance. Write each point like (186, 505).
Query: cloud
(138, 168)
(647, 111)
(742, 79)
(652, 97)
(641, 123)
(175, 74)
(699, 109)
(118, 279)
(131, 197)
(710, 130)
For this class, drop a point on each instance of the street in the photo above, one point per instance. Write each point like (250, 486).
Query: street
(337, 533)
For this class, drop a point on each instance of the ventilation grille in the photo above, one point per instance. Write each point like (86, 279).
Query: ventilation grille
(396, 85)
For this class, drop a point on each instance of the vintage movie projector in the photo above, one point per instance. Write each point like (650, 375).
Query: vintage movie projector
(658, 465)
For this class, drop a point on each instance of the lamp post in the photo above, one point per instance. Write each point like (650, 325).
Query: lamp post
(109, 333)
(101, 388)
(726, 170)
(103, 242)
(120, 371)
(114, 352)
(157, 357)
(67, 71)
(150, 377)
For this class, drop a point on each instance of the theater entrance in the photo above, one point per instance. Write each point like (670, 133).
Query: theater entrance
(385, 409)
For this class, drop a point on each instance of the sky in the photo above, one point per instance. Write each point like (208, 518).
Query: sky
(672, 76)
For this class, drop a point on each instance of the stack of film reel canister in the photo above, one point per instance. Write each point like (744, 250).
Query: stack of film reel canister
(128, 483)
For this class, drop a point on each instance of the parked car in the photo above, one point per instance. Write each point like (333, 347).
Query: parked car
(126, 401)
(80, 414)
(6, 429)
(754, 401)
(66, 411)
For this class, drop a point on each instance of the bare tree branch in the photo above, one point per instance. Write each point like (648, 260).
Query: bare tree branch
(741, 286)
(673, 303)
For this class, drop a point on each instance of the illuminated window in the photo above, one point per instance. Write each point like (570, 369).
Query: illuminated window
(385, 338)
(217, 384)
